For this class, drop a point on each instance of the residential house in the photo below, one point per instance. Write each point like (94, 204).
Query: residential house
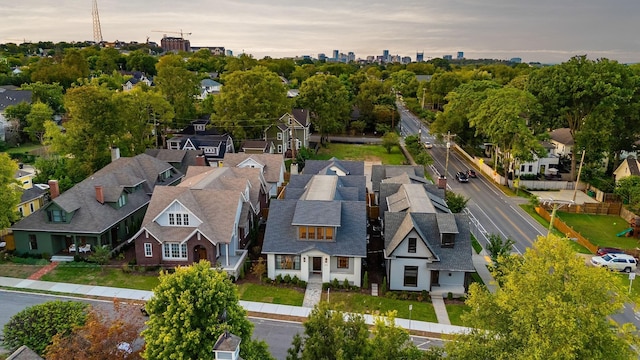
(628, 167)
(208, 216)
(271, 166)
(24, 178)
(562, 141)
(333, 166)
(318, 228)
(200, 136)
(104, 209)
(137, 77)
(257, 147)
(426, 247)
(541, 165)
(209, 87)
(401, 174)
(179, 159)
(291, 131)
(10, 97)
(32, 199)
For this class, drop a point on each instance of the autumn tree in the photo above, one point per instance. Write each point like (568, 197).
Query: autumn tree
(105, 334)
(190, 309)
(36, 326)
(547, 307)
(327, 100)
(9, 191)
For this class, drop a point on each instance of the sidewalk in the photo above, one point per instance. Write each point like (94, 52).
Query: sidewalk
(480, 262)
(255, 309)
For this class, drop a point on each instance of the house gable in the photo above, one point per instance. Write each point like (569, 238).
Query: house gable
(174, 215)
(413, 245)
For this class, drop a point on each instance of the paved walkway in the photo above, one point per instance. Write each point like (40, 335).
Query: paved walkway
(44, 270)
(440, 309)
(313, 293)
(480, 261)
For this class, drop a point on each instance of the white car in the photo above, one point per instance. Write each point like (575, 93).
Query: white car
(428, 145)
(619, 262)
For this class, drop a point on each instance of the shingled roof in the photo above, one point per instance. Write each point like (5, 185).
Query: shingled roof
(329, 167)
(273, 163)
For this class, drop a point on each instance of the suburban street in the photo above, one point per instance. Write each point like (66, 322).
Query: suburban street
(277, 334)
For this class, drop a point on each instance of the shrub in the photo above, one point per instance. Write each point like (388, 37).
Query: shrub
(302, 284)
(46, 256)
(450, 296)
(287, 279)
(345, 284)
(295, 281)
(335, 283)
(365, 281)
(279, 279)
(126, 268)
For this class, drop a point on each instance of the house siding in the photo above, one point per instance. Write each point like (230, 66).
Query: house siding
(156, 258)
(396, 274)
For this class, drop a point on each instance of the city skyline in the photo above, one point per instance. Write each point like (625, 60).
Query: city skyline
(543, 31)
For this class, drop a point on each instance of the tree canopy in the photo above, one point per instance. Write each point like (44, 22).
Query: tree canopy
(9, 191)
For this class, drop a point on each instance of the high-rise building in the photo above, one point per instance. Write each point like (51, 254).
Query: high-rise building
(516, 60)
(229, 52)
(175, 44)
(420, 57)
(447, 57)
(336, 55)
(460, 55)
(322, 57)
(351, 57)
(406, 59)
(385, 56)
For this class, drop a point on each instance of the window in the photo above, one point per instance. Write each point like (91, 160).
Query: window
(30, 208)
(57, 216)
(279, 149)
(522, 168)
(175, 251)
(343, 262)
(179, 219)
(312, 233)
(165, 175)
(530, 168)
(412, 245)
(279, 136)
(411, 276)
(33, 242)
(303, 232)
(122, 200)
(329, 234)
(21, 211)
(448, 240)
(148, 250)
(288, 262)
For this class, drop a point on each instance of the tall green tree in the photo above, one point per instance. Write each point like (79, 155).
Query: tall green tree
(405, 82)
(179, 87)
(249, 101)
(40, 113)
(9, 191)
(17, 114)
(50, 94)
(327, 100)
(190, 309)
(548, 307)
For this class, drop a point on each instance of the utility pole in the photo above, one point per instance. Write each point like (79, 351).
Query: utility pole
(575, 188)
(424, 91)
(449, 136)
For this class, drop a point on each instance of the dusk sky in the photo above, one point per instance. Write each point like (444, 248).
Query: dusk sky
(549, 31)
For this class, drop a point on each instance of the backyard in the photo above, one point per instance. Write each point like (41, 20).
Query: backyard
(361, 152)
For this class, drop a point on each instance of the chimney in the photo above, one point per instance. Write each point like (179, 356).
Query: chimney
(100, 194)
(115, 153)
(54, 189)
(442, 182)
(200, 160)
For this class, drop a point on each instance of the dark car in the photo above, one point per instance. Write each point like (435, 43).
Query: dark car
(608, 250)
(462, 177)
(471, 173)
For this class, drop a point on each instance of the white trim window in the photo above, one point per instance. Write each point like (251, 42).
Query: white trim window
(174, 251)
(279, 136)
(178, 219)
(148, 250)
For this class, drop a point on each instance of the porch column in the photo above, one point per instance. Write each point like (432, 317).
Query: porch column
(226, 255)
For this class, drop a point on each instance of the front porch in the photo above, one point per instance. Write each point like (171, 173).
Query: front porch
(444, 290)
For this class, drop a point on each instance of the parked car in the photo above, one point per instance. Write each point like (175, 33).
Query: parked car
(428, 145)
(471, 173)
(619, 262)
(606, 250)
(462, 177)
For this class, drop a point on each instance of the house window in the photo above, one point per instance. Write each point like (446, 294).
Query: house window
(279, 136)
(328, 233)
(33, 242)
(175, 251)
(320, 233)
(288, 262)
(522, 168)
(122, 200)
(148, 250)
(303, 232)
(30, 208)
(21, 211)
(343, 262)
(279, 149)
(312, 233)
(412, 245)
(179, 219)
(530, 168)
(57, 216)
(448, 240)
(411, 276)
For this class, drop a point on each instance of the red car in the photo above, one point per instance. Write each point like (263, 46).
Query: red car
(471, 173)
(606, 250)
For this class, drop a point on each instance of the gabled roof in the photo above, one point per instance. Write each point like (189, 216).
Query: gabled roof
(316, 213)
(273, 163)
(562, 136)
(180, 159)
(258, 145)
(396, 173)
(456, 258)
(302, 116)
(298, 185)
(13, 97)
(89, 215)
(32, 194)
(396, 192)
(329, 167)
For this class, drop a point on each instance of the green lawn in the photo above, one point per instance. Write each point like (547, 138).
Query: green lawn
(574, 245)
(270, 294)
(361, 152)
(455, 311)
(90, 274)
(601, 230)
(23, 149)
(367, 304)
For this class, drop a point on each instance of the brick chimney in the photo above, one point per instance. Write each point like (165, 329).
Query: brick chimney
(115, 153)
(200, 160)
(54, 189)
(100, 194)
(442, 182)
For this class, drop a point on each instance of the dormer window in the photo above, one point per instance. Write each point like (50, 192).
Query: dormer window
(447, 239)
(57, 216)
(122, 200)
(315, 233)
(179, 219)
(165, 175)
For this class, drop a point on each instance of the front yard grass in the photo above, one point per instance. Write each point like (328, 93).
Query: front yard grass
(270, 294)
(91, 274)
(20, 268)
(455, 311)
(379, 305)
(361, 152)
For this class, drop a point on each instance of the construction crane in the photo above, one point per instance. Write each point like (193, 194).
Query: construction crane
(182, 34)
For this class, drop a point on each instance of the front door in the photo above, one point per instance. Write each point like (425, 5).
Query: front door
(435, 278)
(317, 264)
(202, 253)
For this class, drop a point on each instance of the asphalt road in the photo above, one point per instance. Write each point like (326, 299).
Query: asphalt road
(277, 334)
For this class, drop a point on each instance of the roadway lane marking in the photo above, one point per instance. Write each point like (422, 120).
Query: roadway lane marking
(491, 221)
(514, 225)
(527, 220)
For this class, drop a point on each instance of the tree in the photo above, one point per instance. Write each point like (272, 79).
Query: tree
(179, 87)
(405, 82)
(17, 114)
(549, 306)
(455, 202)
(36, 326)
(104, 335)
(249, 102)
(101, 255)
(9, 191)
(628, 188)
(259, 268)
(40, 113)
(328, 102)
(392, 342)
(190, 309)
(389, 140)
(498, 246)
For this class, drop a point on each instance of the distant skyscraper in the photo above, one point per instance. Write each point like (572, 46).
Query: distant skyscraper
(322, 57)
(460, 55)
(406, 59)
(351, 57)
(385, 56)
(516, 60)
(229, 53)
(447, 57)
(420, 57)
(336, 54)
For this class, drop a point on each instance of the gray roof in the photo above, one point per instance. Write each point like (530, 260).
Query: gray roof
(323, 167)
(562, 135)
(281, 237)
(89, 215)
(354, 182)
(13, 97)
(456, 258)
(273, 163)
(390, 189)
(24, 353)
(317, 213)
(32, 194)
(414, 173)
(180, 159)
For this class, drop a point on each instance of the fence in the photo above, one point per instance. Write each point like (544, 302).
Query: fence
(565, 229)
